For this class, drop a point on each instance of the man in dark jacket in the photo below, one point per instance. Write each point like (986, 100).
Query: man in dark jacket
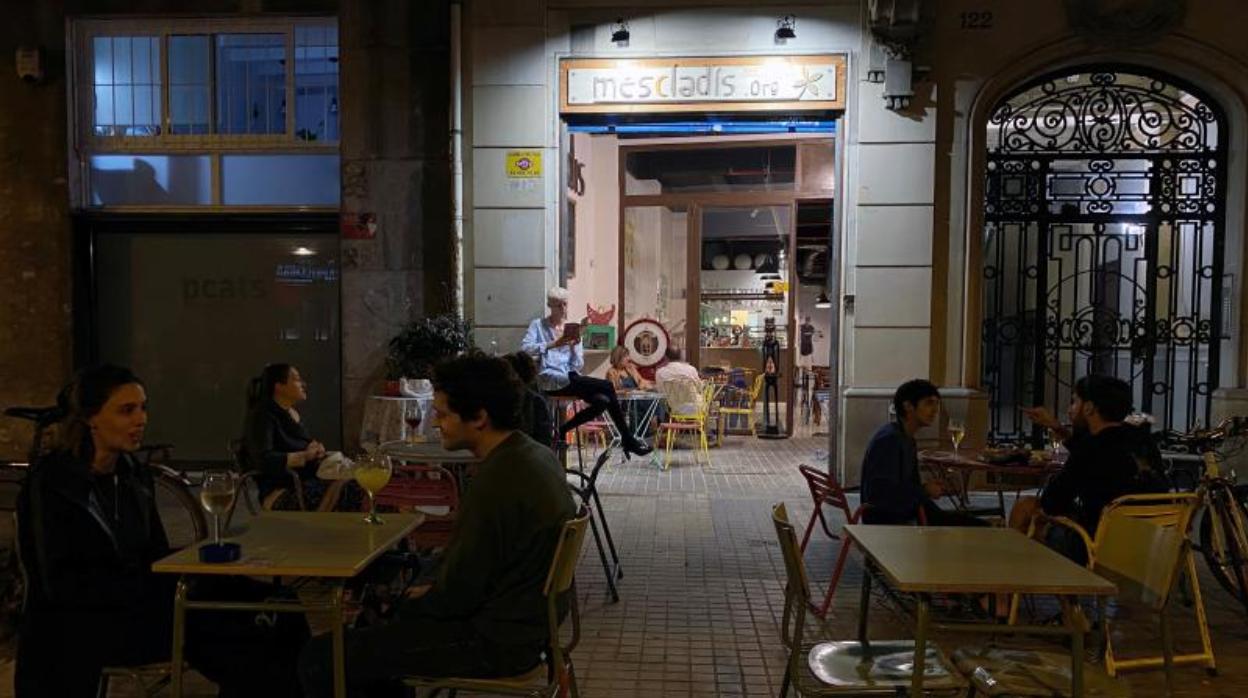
(891, 487)
(485, 615)
(1108, 459)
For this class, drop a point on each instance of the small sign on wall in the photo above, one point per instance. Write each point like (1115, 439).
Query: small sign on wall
(524, 164)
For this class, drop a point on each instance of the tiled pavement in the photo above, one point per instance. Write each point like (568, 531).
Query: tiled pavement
(702, 592)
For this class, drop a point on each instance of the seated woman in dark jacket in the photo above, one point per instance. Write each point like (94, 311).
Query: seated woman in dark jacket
(534, 413)
(89, 533)
(275, 440)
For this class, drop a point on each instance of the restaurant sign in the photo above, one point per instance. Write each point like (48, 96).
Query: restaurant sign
(736, 83)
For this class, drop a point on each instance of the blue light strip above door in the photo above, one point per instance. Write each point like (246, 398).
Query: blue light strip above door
(682, 128)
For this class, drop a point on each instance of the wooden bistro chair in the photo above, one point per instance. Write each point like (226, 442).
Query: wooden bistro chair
(689, 403)
(741, 403)
(1142, 544)
(856, 675)
(558, 675)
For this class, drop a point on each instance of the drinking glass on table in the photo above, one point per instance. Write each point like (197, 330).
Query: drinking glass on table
(372, 472)
(413, 415)
(217, 496)
(957, 431)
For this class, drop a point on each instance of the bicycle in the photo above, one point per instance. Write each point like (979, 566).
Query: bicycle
(1223, 532)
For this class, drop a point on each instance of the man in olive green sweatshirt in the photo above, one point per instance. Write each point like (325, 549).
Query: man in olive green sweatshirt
(484, 615)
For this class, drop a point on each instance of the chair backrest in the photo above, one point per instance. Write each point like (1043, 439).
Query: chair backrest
(794, 565)
(824, 489)
(1140, 543)
(757, 388)
(684, 397)
(568, 550)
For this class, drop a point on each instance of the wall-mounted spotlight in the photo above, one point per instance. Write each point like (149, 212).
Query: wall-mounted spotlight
(619, 34)
(786, 28)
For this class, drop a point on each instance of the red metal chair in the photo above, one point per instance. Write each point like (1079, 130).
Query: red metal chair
(825, 490)
(430, 489)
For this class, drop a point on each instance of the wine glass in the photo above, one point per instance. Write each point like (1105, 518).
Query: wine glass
(217, 496)
(957, 431)
(372, 472)
(413, 415)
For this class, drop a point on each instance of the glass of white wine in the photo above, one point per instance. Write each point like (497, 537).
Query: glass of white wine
(217, 496)
(372, 472)
(957, 432)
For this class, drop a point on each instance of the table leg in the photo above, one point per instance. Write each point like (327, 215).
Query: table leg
(1078, 626)
(864, 604)
(920, 647)
(179, 638)
(339, 640)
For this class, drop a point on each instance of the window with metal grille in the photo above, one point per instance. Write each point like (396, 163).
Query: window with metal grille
(206, 113)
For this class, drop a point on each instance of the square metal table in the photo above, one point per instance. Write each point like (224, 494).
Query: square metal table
(926, 560)
(335, 546)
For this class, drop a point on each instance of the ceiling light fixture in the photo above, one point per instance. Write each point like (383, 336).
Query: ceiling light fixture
(822, 301)
(620, 35)
(786, 28)
(303, 252)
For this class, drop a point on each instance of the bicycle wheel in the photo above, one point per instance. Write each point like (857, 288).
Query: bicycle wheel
(180, 513)
(1223, 545)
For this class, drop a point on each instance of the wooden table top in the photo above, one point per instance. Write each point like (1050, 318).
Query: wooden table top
(967, 459)
(941, 559)
(427, 452)
(301, 544)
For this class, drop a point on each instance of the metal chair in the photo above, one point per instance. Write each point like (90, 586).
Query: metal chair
(429, 489)
(859, 675)
(558, 674)
(826, 491)
(742, 403)
(1142, 545)
(689, 403)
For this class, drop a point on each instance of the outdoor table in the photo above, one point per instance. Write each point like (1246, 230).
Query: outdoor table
(928, 560)
(331, 546)
(383, 418)
(643, 402)
(431, 452)
(966, 463)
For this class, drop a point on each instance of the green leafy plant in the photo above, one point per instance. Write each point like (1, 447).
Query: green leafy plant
(424, 342)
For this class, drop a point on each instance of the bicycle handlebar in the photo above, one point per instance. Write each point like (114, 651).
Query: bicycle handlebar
(1199, 440)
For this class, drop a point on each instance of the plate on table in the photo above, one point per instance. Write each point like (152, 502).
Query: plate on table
(1005, 456)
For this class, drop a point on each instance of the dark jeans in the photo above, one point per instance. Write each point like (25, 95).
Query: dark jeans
(599, 396)
(1066, 542)
(62, 653)
(935, 515)
(378, 657)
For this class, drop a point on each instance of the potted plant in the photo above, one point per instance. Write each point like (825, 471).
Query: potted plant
(421, 344)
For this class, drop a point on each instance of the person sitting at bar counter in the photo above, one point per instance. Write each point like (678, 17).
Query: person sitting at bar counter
(274, 436)
(892, 489)
(89, 532)
(560, 359)
(1108, 459)
(622, 373)
(484, 615)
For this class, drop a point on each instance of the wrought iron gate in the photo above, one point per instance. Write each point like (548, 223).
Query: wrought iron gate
(1103, 244)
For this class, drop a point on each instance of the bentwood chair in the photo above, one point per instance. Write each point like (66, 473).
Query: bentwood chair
(1142, 544)
(558, 674)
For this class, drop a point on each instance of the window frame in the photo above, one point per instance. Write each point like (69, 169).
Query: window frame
(84, 143)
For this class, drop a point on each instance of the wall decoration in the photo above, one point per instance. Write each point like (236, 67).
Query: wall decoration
(647, 341)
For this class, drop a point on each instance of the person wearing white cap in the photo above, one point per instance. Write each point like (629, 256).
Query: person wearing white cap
(560, 358)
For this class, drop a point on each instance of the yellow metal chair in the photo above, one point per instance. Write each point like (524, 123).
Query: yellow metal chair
(1142, 545)
(689, 403)
(741, 403)
(558, 675)
(858, 671)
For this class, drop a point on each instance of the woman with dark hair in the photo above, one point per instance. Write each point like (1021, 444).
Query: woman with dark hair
(89, 531)
(534, 416)
(275, 440)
